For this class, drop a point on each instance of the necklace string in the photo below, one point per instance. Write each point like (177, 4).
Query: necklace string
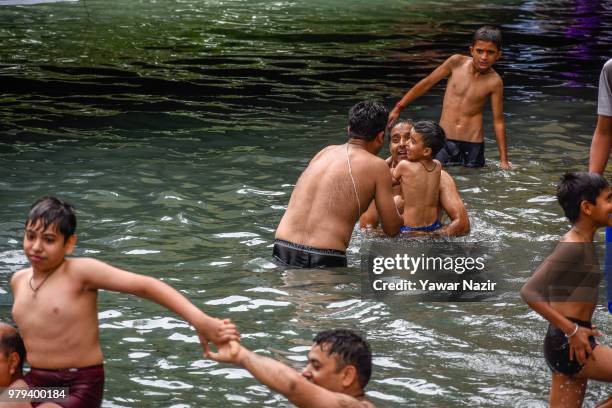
(37, 288)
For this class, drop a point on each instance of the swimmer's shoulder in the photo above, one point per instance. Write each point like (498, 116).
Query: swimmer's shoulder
(456, 61)
(19, 276)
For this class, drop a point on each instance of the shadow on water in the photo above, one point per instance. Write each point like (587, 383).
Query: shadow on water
(178, 129)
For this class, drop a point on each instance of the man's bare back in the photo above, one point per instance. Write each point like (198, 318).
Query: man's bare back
(325, 205)
(330, 195)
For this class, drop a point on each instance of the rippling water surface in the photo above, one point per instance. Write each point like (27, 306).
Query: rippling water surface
(178, 129)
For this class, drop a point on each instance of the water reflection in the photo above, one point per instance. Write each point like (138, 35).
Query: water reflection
(180, 141)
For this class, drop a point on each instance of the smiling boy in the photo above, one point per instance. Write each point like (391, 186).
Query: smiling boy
(471, 81)
(419, 177)
(56, 313)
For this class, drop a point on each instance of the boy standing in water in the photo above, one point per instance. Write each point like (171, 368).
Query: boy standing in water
(564, 290)
(55, 307)
(471, 81)
(419, 177)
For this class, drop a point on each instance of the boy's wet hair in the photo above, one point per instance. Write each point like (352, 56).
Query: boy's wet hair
(348, 348)
(11, 342)
(576, 187)
(433, 135)
(367, 119)
(490, 34)
(53, 211)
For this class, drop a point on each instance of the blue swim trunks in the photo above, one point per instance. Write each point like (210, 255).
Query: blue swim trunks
(428, 228)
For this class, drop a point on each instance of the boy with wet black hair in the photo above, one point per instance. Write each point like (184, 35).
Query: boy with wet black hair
(12, 355)
(339, 367)
(471, 81)
(564, 290)
(419, 177)
(55, 307)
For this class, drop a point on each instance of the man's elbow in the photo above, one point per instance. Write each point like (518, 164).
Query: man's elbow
(392, 229)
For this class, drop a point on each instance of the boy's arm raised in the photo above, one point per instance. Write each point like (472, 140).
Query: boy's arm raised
(424, 85)
(98, 275)
(497, 106)
(283, 379)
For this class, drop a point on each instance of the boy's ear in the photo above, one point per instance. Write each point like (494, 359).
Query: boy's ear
(586, 208)
(69, 245)
(428, 151)
(380, 137)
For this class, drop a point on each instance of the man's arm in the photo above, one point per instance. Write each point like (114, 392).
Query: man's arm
(283, 379)
(601, 144)
(451, 202)
(497, 105)
(424, 85)
(385, 204)
(98, 275)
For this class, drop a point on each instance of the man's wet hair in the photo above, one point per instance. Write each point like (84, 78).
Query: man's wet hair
(11, 342)
(348, 347)
(53, 211)
(432, 133)
(367, 119)
(576, 187)
(490, 34)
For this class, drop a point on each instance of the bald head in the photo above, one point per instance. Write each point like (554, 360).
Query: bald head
(12, 354)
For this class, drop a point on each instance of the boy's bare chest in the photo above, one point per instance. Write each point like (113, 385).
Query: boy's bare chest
(467, 87)
(56, 301)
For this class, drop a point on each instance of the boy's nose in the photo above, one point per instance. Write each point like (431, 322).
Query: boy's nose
(306, 374)
(37, 245)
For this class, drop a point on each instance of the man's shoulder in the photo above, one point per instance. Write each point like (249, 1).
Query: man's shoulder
(607, 68)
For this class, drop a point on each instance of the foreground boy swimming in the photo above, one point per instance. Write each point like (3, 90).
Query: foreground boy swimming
(564, 290)
(471, 81)
(55, 307)
(419, 177)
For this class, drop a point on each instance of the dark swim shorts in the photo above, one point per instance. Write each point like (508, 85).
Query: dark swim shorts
(302, 256)
(459, 153)
(556, 349)
(85, 385)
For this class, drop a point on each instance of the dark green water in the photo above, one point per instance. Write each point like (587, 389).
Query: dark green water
(178, 129)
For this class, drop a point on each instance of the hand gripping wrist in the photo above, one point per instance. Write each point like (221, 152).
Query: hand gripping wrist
(572, 334)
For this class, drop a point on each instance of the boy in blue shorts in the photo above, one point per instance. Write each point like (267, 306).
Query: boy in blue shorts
(55, 307)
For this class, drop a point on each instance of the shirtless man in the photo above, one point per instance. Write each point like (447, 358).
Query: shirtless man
(336, 187)
(471, 82)
(339, 368)
(449, 199)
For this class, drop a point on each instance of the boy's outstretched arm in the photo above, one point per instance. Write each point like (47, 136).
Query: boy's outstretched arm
(283, 379)
(98, 275)
(499, 125)
(423, 86)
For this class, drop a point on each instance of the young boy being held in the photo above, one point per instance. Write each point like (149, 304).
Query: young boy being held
(55, 306)
(471, 81)
(419, 177)
(564, 290)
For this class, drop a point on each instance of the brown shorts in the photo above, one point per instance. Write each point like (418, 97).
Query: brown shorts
(85, 385)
